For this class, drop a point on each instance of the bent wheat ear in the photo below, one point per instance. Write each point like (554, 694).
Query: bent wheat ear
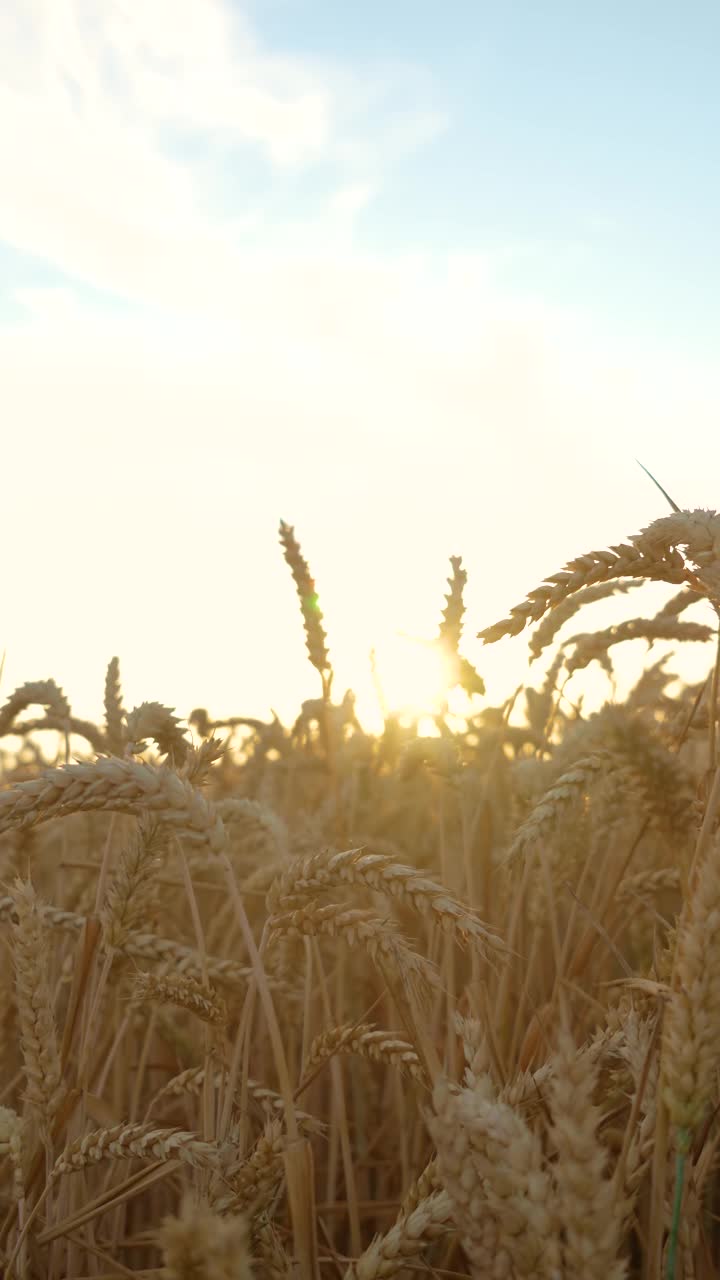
(144, 1141)
(186, 993)
(153, 720)
(593, 646)
(127, 786)
(367, 1041)
(545, 632)
(306, 877)
(386, 948)
(42, 693)
(622, 561)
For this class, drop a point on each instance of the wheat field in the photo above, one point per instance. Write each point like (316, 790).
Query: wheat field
(303, 1001)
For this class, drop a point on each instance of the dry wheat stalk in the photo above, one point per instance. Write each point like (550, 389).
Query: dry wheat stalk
(183, 991)
(127, 786)
(405, 1241)
(319, 872)
(143, 1141)
(197, 1244)
(82, 728)
(38, 1035)
(368, 1041)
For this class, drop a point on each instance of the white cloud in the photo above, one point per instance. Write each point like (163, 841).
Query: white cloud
(399, 410)
(349, 201)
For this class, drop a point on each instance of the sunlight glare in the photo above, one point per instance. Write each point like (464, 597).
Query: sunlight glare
(414, 675)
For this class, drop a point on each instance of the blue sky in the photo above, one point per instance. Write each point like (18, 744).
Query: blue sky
(421, 279)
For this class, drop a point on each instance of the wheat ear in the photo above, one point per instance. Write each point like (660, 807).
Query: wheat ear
(405, 1241)
(322, 871)
(126, 786)
(38, 1035)
(367, 1041)
(197, 1244)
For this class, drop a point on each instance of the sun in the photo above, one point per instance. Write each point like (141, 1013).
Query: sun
(412, 676)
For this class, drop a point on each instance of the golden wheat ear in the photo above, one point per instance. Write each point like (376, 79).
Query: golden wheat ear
(315, 637)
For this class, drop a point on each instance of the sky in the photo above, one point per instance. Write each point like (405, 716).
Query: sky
(422, 280)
